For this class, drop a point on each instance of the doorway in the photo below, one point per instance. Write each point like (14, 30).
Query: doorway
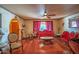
(14, 26)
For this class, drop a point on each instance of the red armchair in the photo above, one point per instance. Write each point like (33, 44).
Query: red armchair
(71, 35)
(77, 35)
(65, 36)
(74, 46)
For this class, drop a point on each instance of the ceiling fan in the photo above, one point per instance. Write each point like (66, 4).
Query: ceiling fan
(48, 15)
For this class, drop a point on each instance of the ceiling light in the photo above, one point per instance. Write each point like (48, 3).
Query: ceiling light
(45, 13)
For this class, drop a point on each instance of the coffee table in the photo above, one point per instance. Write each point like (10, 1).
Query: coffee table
(46, 40)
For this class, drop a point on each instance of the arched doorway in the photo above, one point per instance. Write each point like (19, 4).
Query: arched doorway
(14, 26)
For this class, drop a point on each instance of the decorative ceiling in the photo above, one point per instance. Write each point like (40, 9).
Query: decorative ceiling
(36, 11)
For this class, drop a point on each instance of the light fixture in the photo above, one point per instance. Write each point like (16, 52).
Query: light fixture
(45, 13)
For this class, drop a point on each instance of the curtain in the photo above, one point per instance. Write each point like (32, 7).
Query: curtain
(49, 26)
(36, 26)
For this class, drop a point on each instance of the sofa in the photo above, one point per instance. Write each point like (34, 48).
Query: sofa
(45, 33)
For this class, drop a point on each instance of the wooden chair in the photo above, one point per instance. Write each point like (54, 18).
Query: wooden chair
(14, 43)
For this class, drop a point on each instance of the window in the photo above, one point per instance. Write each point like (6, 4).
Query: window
(74, 24)
(43, 26)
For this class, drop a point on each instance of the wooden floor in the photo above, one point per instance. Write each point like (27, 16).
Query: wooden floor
(36, 46)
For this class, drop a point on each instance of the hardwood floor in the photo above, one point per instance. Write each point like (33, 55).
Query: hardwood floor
(35, 46)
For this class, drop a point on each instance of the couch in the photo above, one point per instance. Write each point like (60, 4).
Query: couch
(45, 33)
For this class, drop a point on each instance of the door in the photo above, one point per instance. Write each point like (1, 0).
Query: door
(14, 26)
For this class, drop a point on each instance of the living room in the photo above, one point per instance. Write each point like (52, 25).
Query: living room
(40, 28)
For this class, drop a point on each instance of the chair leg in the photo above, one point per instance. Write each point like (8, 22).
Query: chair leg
(22, 49)
(10, 51)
